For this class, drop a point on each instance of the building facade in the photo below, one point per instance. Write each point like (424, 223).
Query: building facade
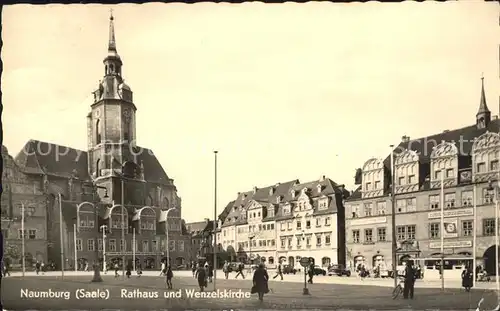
(131, 185)
(279, 222)
(465, 161)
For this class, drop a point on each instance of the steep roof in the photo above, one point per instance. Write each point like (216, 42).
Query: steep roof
(463, 138)
(39, 157)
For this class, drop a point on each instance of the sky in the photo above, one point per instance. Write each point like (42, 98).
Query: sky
(282, 91)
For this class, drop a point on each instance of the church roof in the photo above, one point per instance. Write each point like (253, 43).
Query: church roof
(39, 157)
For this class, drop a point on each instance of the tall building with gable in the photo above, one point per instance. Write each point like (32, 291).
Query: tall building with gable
(465, 158)
(130, 175)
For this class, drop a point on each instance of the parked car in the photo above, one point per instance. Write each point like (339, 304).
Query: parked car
(319, 271)
(339, 270)
(287, 269)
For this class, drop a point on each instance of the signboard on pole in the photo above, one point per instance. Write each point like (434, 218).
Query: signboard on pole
(450, 228)
(304, 261)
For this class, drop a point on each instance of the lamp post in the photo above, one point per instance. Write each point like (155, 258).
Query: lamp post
(23, 235)
(166, 233)
(393, 221)
(97, 270)
(103, 228)
(61, 248)
(491, 188)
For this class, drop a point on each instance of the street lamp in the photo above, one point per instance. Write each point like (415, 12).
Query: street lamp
(168, 242)
(103, 228)
(97, 270)
(31, 210)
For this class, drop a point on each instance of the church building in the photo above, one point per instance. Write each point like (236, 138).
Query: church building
(123, 180)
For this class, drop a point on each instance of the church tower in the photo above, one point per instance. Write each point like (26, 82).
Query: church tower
(483, 116)
(111, 126)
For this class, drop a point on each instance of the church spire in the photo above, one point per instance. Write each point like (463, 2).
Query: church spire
(483, 116)
(112, 40)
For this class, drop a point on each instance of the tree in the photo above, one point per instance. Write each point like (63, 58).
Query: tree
(12, 252)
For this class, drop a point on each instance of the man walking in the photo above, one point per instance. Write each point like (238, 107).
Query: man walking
(409, 281)
(241, 266)
(279, 271)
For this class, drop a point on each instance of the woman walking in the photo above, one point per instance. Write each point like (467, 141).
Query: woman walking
(169, 275)
(260, 282)
(201, 275)
(467, 279)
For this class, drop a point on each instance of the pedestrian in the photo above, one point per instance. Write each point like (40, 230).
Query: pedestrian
(193, 268)
(116, 269)
(260, 282)
(210, 269)
(409, 276)
(279, 271)
(241, 267)
(129, 270)
(201, 275)
(6, 268)
(139, 271)
(225, 269)
(169, 275)
(467, 279)
(310, 272)
(37, 267)
(163, 268)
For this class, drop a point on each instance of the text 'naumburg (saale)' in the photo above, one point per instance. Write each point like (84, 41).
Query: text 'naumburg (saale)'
(133, 294)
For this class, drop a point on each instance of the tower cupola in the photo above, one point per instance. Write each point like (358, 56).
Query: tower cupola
(112, 62)
(483, 116)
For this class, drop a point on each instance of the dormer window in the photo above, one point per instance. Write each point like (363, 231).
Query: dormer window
(278, 199)
(368, 186)
(271, 191)
(292, 193)
(286, 210)
(320, 188)
(323, 204)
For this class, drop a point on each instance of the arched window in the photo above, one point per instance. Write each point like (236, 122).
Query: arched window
(126, 133)
(97, 168)
(98, 131)
(105, 69)
(111, 68)
(165, 203)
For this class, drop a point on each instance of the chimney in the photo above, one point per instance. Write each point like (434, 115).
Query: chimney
(405, 139)
(239, 193)
(271, 191)
(446, 131)
(322, 178)
(255, 190)
(207, 220)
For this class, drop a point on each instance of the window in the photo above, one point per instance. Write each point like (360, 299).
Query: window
(299, 225)
(405, 232)
(270, 212)
(355, 211)
(368, 186)
(154, 246)
(98, 132)
(327, 239)
(449, 200)
(368, 235)
(377, 185)
(434, 230)
(481, 167)
(488, 227)
(145, 246)
(283, 242)
(99, 244)
(467, 228)
(289, 225)
(381, 234)
(401, 206)
(437, 175)
(450, 173)
(488, 196)
(299, 242)
(123, 245)
(90, 244)
(323, 204)
(289, 242)
(112, 245)
(494, 165)
(434, 201)
(327, 221)
(412, 179)
(286, 210)
(355, 236)
(308, 241)
(401, 181)
(171, 246)
(282, 226)
(368, 209)
(381, 208)
(411, 205)
(318, 222)
(79, 245)
(308, 224)
(467, 198)
(31, 234)
(181, 246)
(318, 240)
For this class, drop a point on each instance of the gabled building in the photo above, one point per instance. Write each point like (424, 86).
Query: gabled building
(464, 157)
(310, 223)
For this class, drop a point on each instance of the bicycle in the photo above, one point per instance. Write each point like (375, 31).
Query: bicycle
(398, 290)
(497, 308)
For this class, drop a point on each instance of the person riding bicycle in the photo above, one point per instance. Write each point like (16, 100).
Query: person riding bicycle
(409, 277)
